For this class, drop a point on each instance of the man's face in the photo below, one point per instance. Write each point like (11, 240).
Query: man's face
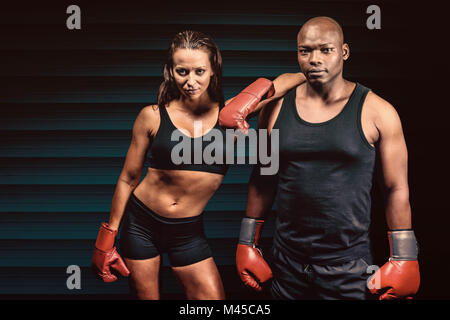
(320, 54)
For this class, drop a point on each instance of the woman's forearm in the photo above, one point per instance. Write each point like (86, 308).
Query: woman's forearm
(120, 198)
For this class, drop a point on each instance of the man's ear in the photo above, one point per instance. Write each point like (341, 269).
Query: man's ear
(345, 51)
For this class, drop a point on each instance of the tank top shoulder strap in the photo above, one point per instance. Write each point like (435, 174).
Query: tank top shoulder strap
(286, 107)
(289, 98)
(363, 92)
(358, 97)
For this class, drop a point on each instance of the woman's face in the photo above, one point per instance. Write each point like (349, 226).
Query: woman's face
(192, 72)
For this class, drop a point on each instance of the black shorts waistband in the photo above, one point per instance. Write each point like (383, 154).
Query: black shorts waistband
(162, 219)
(330, 258)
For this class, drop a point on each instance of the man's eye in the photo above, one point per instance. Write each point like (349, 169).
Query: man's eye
(200, 71)
(302, 51)
(327, 50)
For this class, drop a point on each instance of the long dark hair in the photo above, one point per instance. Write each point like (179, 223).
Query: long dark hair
(189, 39)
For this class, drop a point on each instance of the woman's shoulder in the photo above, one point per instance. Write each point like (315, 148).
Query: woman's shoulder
(149, 117)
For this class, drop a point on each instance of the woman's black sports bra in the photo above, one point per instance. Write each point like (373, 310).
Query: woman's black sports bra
(173, 150)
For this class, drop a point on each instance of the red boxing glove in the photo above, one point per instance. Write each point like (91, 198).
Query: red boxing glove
(106, 256)
(399, 278)
(233, 115)
(251, 266)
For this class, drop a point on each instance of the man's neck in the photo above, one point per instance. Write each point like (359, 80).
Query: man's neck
(329, 91)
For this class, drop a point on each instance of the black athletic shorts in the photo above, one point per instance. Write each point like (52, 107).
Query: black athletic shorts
(145, 234)
(294, 280)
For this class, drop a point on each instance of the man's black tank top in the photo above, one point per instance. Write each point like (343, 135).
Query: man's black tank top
(325, 181)
(160, 152)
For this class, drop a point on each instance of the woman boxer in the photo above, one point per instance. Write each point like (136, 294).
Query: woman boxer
(163, 213)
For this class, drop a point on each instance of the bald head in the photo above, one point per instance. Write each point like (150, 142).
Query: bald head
(319, 26)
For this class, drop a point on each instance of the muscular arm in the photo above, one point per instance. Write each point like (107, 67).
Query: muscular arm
(283, 83)
(394, 163)
(250, 264)
(399, 277)
(134, 163)
(261, 194)
(262, 188)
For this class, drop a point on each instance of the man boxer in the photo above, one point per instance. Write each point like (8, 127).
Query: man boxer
(328, 130)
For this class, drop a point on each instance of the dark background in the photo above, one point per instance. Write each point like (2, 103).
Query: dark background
(69, 98)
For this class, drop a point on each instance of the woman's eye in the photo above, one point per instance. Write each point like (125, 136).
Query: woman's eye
(200, 71)
(181, 72)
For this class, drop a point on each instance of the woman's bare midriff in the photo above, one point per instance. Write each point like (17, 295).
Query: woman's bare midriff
(177, 193)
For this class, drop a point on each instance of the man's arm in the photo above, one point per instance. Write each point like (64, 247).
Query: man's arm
(262, 188)
(398, 278)
(261, 194)
(283, 83)
(254, 97)
(251, 266)
(394, 163)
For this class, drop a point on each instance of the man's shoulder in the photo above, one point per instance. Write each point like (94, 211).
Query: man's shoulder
(379, 109)
(377, 103)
